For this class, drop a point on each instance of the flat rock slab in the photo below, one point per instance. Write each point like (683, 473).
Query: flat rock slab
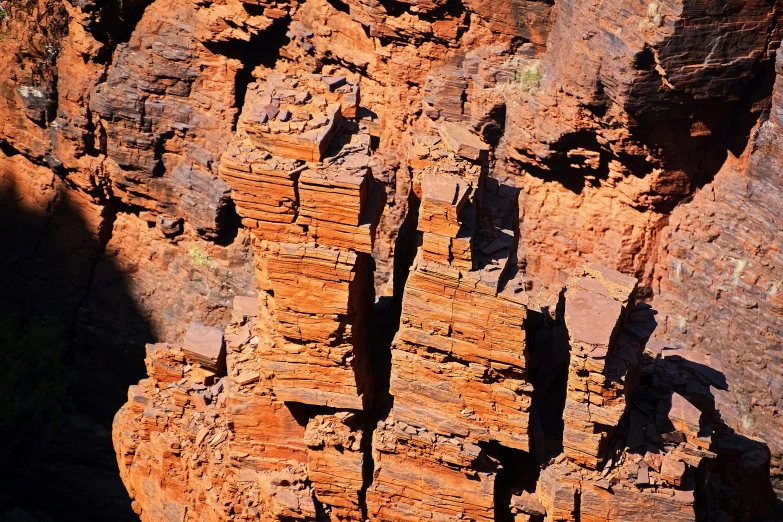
(592, 319)
(463, 142)
(334, 82)
(684, 416)
(605, 281)
(245, 306)
(204, 345)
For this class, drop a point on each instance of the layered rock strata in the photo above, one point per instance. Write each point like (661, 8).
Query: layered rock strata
(309, 199)
(119, 123)
(287, 429)
(303, 183)
(604, 360)
(195, 445)
(461, 346)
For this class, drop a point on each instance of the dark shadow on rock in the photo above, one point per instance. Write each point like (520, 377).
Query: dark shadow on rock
(671, 424)
(548, 353)
(66, 375)
(735, 484)
(566, 165)
(695, 135)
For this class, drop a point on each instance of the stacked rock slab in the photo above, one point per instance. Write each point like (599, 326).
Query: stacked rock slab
(423, 475)
(659, 462)
(458, 361)
(335, 463)
(603, 366)
(647, 459)
(196, 446)
(301, 178)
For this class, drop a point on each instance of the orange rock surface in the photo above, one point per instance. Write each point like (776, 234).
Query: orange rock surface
(394, 260)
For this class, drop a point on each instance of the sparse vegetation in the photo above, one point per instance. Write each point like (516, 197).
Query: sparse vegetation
(654, 8)
(775, 288)
(525, 76)
(745, 410)
(741, 264)
(529, 76)
(654, 17)
(682, 325)
(199, 257)
(3, 15)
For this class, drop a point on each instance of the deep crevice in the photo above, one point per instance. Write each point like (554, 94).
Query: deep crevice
(228, 223)
(549, 355)
(340, 6)
(517, 471)
(394, 8)
(263, 49)
(115, 25)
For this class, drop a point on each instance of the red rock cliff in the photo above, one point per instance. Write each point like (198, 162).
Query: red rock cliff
(401, 260)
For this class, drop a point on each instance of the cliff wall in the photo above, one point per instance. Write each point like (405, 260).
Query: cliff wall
(407, 193)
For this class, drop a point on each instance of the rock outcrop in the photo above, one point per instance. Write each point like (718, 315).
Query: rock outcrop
(718, 283)
(390, 260)
(294, 427)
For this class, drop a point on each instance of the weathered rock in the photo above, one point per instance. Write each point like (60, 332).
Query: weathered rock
(420, 474)
(203, 345)
(717, 284)
(604, 363)
(321, 353)
(157, 120)
(463, 142)
(335, 463)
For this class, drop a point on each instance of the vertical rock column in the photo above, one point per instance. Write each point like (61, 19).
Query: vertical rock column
(314, 223)
(603, 368)
(625, 460)
(301, 178)
(458, 361)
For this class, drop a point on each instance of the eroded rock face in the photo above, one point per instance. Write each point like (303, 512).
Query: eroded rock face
(297, 426)
(717, 283)
(505, 181)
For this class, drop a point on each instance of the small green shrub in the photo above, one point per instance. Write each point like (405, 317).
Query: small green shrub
(529, 76)
(199, 257)
(3, 14)
(524, 76)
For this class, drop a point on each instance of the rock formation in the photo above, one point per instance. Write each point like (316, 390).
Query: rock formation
(397, 260)
(288, 427)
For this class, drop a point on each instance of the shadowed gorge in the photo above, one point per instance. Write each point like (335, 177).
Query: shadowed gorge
(61, 389)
